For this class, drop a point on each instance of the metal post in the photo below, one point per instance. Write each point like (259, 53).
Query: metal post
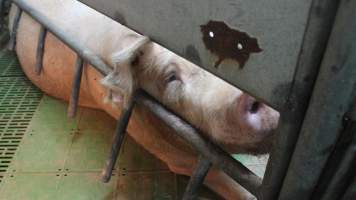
(350, 193)
(40, 49)
(2, 15)
(74, 98)
(318, 28)
(117, 141)
(341, 164)
(332, 98)
(12, 41)
(197, 178)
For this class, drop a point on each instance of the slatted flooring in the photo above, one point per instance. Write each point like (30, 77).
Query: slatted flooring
(18, 102)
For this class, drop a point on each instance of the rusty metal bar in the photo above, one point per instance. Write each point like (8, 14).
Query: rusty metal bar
(197, 178)
(74, 98)
(215, 154)
(117, 141)
(81, 49)
(15, 25)
(40, 50)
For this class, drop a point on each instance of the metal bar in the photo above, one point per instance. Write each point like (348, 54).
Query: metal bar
(2, 14)
(40, 49)
(81, 50)
(331, 99)
(350, 193)
(197, 178)
(336, 175)
(15, 24)
(74, 98)
(216, 155)
(278, 26)
(340, 166)
(317, 32)
(117, 141)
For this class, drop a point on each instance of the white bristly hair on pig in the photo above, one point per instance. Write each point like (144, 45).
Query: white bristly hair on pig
(122, 79)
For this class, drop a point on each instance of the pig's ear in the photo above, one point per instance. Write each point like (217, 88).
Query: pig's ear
(122, 80)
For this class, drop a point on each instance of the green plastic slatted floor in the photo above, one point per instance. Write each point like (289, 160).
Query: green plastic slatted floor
(44, 155)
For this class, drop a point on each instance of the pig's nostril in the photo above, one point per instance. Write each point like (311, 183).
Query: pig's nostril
(255, 107)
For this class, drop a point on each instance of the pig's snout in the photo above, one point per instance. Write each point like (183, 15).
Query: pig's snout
(249, 108)
(251, 105)
(256, 116)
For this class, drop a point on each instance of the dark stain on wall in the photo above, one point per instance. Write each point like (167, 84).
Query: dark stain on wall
(228, 43)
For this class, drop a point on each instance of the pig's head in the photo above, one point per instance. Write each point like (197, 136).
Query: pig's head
(228, 116)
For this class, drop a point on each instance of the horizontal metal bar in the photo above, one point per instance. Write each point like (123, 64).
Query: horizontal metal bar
(79, 48)
(197, 179)
(117, 141)
(216, 155)
(276, 25)
(74, 98)
(40, 50)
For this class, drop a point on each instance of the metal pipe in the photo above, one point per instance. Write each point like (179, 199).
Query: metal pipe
(332, 98)
(117, 141)
(81, 50)
(40, 49)
(74, 98)
(315, 40)
(15, 24)
(197, 178)
(350, 193)
(216, 155)
(336, 175)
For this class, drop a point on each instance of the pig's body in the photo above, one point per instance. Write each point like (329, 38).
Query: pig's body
(186, 93)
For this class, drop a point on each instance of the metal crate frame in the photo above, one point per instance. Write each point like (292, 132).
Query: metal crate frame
(328, 42)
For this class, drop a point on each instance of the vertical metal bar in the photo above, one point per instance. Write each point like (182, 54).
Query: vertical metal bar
(12, 41)
(40, 49)
(117, 141)
(350, 193)
(197, 178)
(341, 165)
(318, 28)
(331, 99)
(74, 98)
(2, 14)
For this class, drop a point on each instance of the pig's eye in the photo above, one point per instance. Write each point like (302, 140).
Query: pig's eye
(172, 76)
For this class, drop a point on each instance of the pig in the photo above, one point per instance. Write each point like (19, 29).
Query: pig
(226, 115)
